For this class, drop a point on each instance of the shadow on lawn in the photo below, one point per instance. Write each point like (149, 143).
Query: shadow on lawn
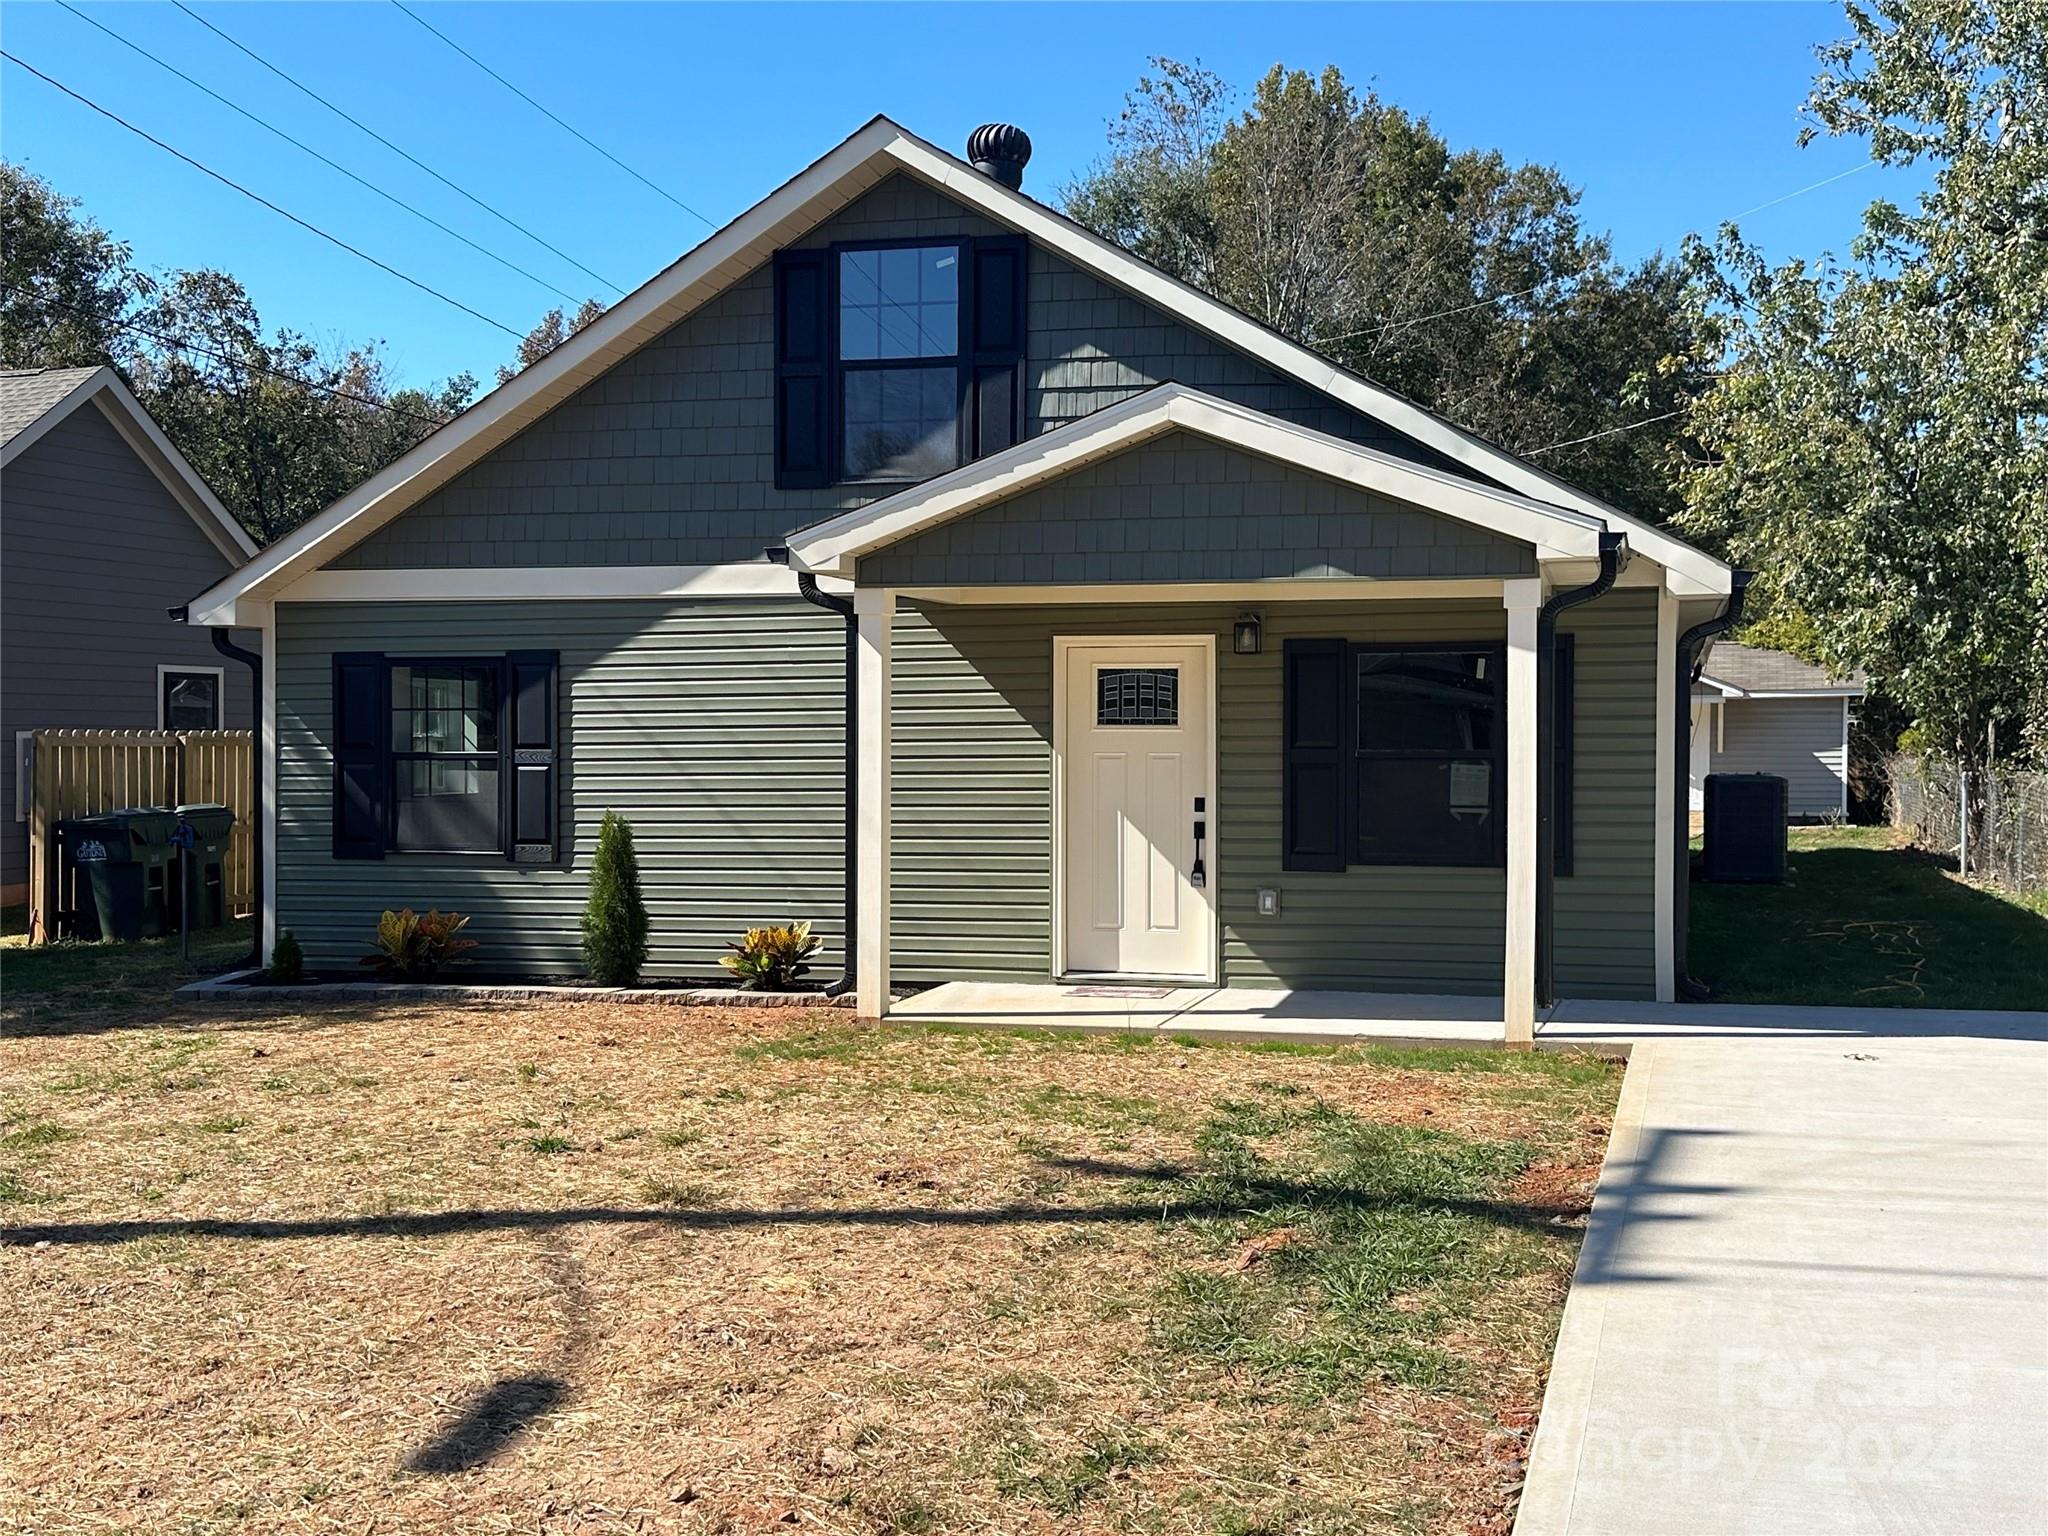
(1882, 927)
(1250, 1197)
(499, 1415)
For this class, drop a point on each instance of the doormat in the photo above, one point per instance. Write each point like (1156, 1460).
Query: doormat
(1119, 991)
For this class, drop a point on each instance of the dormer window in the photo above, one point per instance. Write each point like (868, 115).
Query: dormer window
(899, 361)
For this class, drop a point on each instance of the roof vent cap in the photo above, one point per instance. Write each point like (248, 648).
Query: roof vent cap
(1001, 150)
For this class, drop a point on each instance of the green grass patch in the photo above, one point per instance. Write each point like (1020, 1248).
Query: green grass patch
(1338, 1250)
(34, 1135)
(551, 1144)
(1862, 923)
(50, 986)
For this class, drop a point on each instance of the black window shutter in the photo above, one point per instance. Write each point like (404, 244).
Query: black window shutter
(1000, 286)
(533, 799)
(803, 372)
(1313, 756)
(362, 762)
(1563, 674)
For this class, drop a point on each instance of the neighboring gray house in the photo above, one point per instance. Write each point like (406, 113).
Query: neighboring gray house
(1179, 653)
(104, 528)
(1758, 711)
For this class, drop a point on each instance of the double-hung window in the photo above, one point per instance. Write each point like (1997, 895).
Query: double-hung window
(899, 361)
(445, 755)
(1397, 754)
(1429, 755)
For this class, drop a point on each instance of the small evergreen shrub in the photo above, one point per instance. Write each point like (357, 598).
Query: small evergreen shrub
(771, 959)
(410, 947)
(615, 920)
(287, 960)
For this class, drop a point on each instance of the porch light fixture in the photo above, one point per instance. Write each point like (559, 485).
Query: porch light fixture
(1245, 634)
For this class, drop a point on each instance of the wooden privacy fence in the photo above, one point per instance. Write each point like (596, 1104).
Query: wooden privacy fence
(81, 773)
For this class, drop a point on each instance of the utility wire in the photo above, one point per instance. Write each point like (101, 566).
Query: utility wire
(356, 122)
(551, 117)
(257, 197)
(1573, 442)
(1391, 326)
(178, 345)
(323, 159)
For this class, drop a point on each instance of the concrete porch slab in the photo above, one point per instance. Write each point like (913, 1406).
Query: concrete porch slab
(1310, 1016)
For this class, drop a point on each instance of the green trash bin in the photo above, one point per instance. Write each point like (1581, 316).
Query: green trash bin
(123, 859)
(205, 888)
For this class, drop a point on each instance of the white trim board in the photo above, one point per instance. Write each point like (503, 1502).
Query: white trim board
(473, 584)
(103, 387)
(833, 546)
(878, 150)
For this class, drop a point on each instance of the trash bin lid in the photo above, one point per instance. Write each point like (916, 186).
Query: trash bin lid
(208, 818)
(145, 823)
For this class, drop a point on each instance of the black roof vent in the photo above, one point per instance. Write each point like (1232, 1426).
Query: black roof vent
(1001, 150)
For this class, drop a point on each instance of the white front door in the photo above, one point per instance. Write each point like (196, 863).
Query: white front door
(1135, 752)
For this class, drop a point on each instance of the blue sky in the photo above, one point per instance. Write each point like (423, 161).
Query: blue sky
(1671, 117)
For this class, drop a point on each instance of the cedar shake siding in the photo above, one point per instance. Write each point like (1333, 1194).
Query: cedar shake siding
(1186, 508)
(94, 552)
(669, 458)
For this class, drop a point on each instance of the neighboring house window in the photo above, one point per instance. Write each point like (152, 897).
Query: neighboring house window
(899, 362)
(445, 755)
(1397, 754)
(188, 700)
(896, 362)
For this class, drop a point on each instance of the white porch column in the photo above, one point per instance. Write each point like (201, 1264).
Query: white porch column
(873, 611)
(1523, 598)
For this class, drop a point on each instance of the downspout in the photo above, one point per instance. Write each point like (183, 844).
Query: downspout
(808, 589)
(1546, 759)
(1689, 665)
(254, 662)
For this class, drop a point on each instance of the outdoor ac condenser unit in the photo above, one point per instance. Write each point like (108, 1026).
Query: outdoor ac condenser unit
(1745, 831)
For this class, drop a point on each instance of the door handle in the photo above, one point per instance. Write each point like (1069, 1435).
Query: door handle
(1196, 876)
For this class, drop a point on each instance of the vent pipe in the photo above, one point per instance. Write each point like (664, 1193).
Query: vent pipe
(1000, 150)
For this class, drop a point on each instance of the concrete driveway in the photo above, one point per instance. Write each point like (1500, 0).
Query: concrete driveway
(1814, 1292)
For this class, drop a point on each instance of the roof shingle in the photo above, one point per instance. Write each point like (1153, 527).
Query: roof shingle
(26, 395)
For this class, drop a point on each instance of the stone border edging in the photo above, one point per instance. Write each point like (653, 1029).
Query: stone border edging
(232, 987)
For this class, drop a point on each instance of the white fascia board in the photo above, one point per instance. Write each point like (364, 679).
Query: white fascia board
(1240, 331)
(544, 583)
(139, 430)
(875, 151)
(832, 546)
(657, 305)
(1791, 693)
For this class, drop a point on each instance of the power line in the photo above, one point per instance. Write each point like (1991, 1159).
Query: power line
(179, 345)
(405, 155)
(323, 159)
(257, 197)
(551, 117)
(1392, 326)
(1573, 442)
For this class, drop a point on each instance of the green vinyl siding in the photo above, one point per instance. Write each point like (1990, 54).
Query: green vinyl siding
(717, 727)
(1605, 935)
(1186, 508)
(972, 877)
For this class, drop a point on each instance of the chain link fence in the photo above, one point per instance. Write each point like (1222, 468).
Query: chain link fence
(2005, 839)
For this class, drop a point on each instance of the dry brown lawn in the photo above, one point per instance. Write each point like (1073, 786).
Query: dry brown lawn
(589, 1268)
